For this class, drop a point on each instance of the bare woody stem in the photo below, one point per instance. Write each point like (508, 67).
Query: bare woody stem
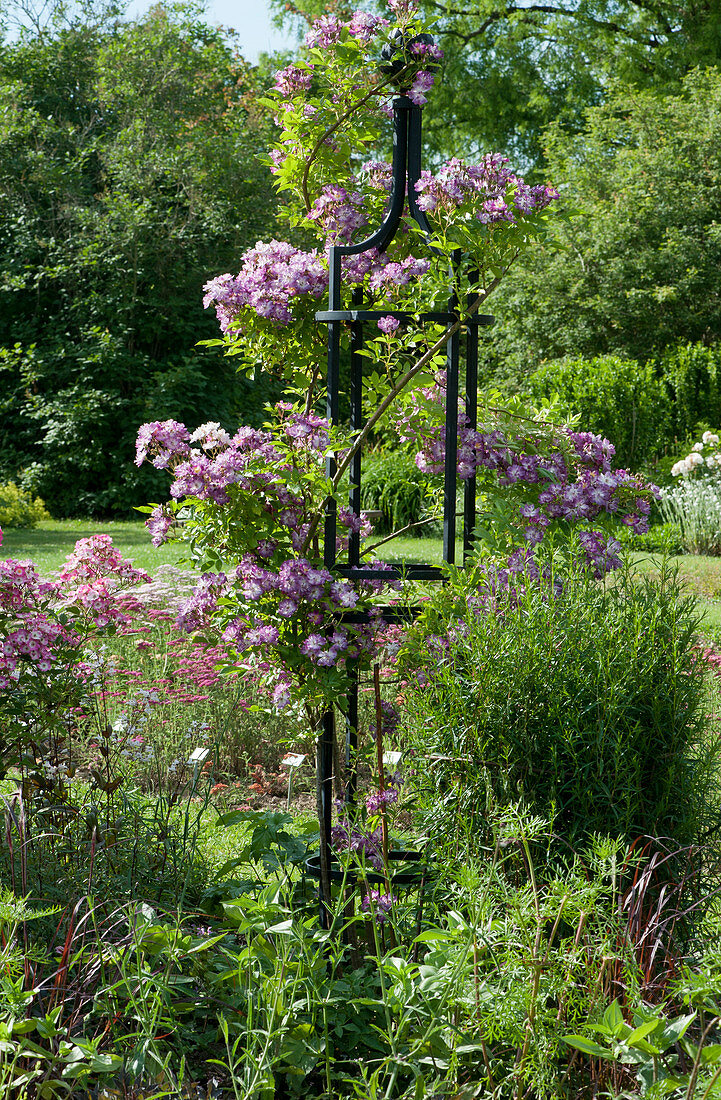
(332, 129)
(381, 771)
(401, 531)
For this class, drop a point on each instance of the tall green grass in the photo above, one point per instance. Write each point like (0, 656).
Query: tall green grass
(587, 707)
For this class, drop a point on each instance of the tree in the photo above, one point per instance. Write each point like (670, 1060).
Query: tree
(513, 66)
(129, 170)
(635, 265)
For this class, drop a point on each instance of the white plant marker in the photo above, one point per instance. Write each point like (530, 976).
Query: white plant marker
(292, 761)
(198, 755)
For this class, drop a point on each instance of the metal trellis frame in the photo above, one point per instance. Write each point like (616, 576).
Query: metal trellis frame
(406, 171)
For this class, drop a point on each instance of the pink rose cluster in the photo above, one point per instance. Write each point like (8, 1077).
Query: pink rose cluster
(97, 560)
(34, 635)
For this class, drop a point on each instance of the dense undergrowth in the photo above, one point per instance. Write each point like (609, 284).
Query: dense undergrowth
(557, 936)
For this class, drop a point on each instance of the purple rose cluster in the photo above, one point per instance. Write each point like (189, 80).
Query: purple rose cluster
(578, 487)
(249, 460)
(339, 213)
(299, 593)
(310, 596)
(272, 276)
(275, 277)
(487, 186)
(328, 30)
(273, 572)
(293, 80)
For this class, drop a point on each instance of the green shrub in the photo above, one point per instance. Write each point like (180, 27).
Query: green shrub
(692, 373)
(18, 508)
(661, 538)
(393, 484)
(586, 707)
(618, 398)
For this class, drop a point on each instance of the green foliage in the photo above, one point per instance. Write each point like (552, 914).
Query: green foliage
(617, 398)
(585, 705)
(510, 70)
(692, 373)
(393, 484)
(19, 509)
(667, 1058)
(634, 265)
(129, 174)
(661, 538)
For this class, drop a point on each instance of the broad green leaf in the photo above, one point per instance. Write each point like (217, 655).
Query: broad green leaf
(580, 1042)
(613, 1017)
(676, 1029)
(642, 1031)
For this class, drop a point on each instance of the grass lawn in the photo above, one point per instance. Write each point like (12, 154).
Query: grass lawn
(49, 544)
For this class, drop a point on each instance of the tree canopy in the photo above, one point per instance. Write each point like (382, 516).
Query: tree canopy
(634, 265)
(130, 173)
(513, 67)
